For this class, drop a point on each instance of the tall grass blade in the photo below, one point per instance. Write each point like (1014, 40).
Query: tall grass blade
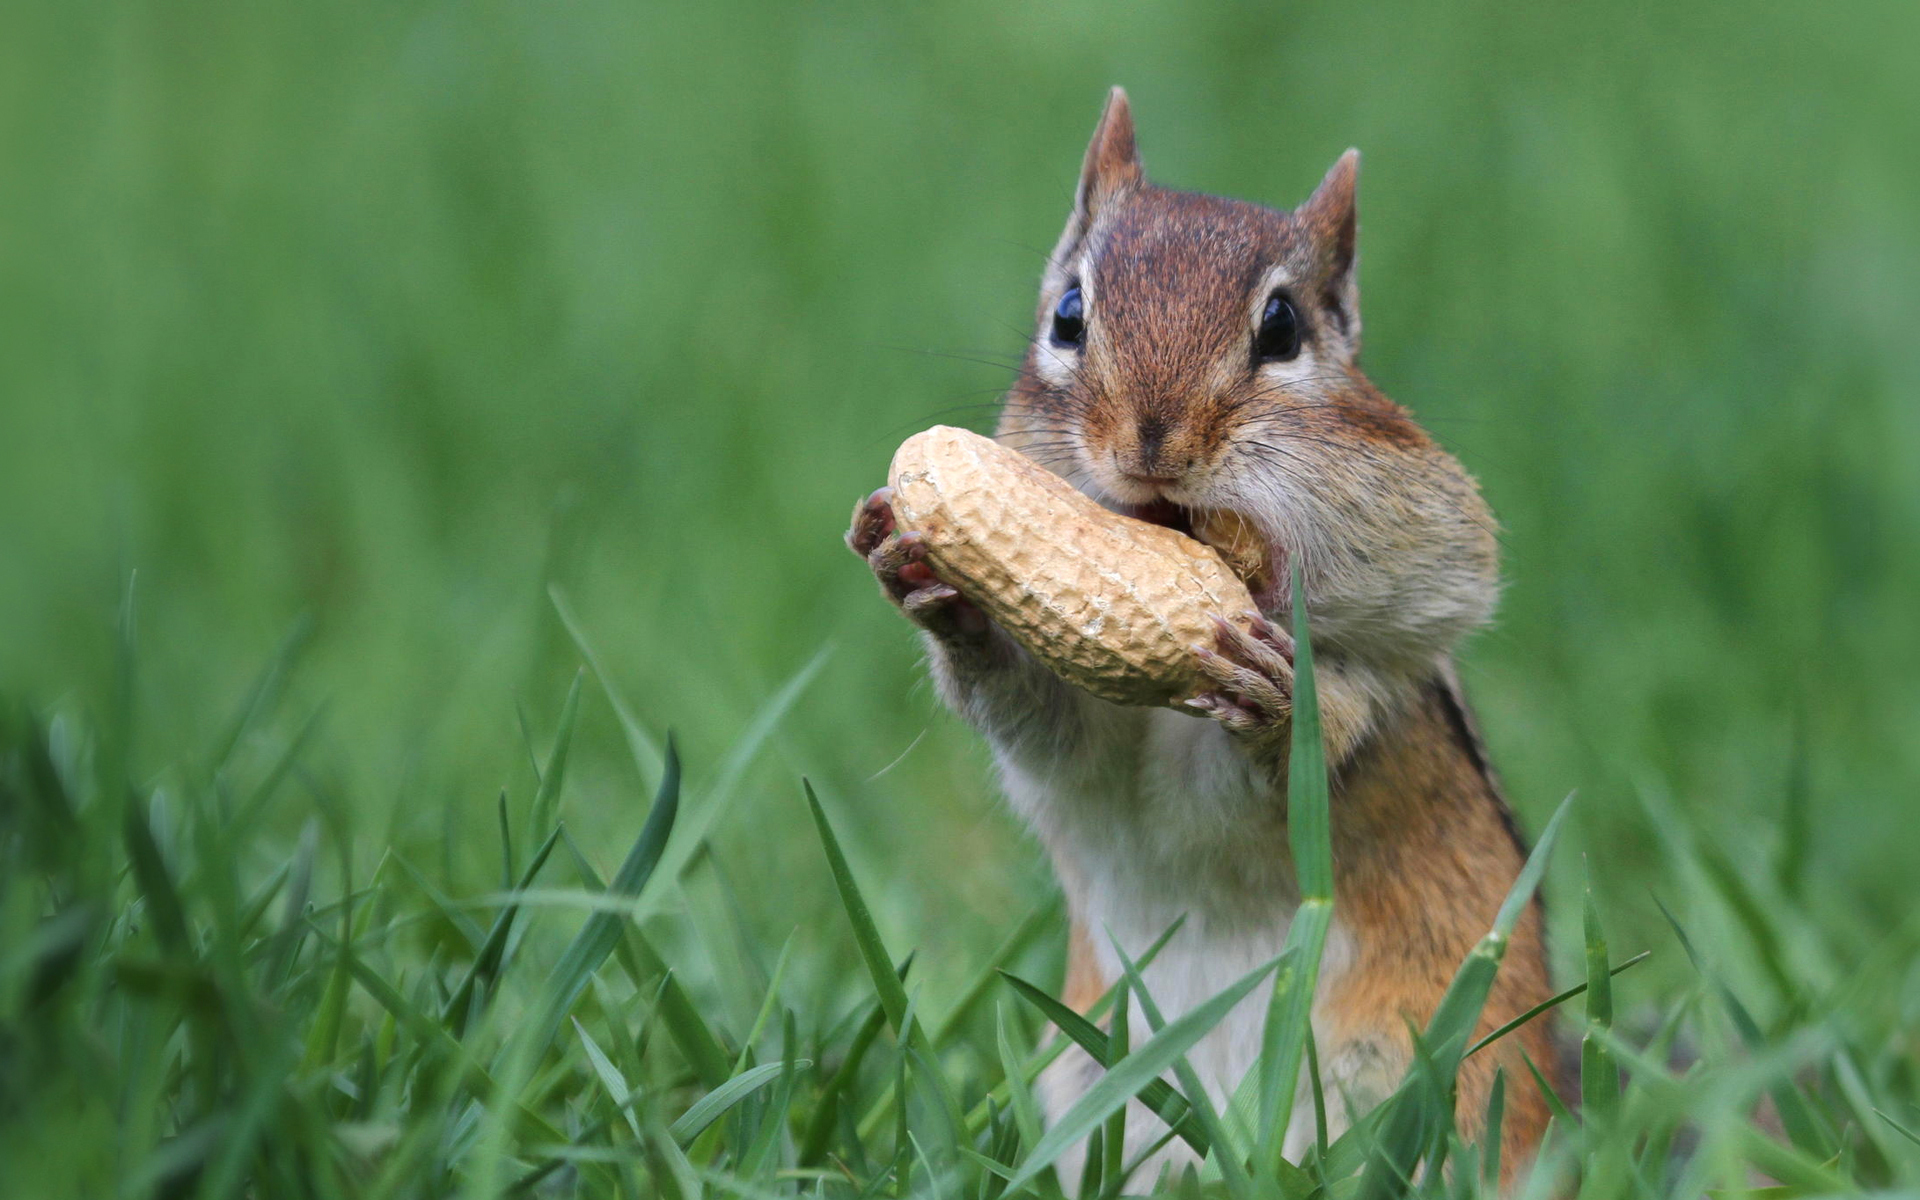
(1412, 1112)
(602, 930)
(1547, 1005)
(1803, 1129)
(546, 798)
(486, 963)
(866, 936)
(718, 799)
(1599, 1077)
(645, 751)
(1284, 1035)
(977, 987)
(1228, 1156)
(1159, 1095)
(1129, 1077)
(612, 1081)
(714, 1105)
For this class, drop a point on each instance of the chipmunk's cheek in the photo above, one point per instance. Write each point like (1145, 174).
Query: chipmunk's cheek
(1271, 595)
(1243, 545)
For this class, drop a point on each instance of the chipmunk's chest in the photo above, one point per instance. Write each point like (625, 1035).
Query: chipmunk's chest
(1178, 826)
(1175, 825)
(1170, 818)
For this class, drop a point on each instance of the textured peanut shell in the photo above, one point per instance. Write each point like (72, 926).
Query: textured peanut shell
(1112, 604)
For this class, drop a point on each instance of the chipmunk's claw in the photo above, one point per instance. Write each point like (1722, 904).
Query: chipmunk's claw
(872, 522)
(898, 561)
(1253, 671)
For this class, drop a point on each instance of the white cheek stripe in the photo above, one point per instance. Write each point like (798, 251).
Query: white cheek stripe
(1299, 369)
(1277, 277)
(1054, 365)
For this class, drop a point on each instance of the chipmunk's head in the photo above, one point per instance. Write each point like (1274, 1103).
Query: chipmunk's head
(1197, 355)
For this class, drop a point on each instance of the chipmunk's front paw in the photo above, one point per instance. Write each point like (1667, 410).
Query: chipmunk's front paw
(1253, 671)
(898, 561)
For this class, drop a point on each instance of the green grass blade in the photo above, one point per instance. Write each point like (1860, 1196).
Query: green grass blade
(1159, 1095)
(689, 1030)
(767, 1004)
(718, 799)
(262, 695)
(546, 798)
(1599, 1076)
(1285, 1032)
(1130, 1077)
(156, 883)
(1228, 1157)
(612, 1081)
(1113, 1154)
(820, 1126)
(714, 1105)
(1490, 1135)
(1802, 1127)
(1026, 1113)
(866, 935)
(486, 963)
(645, 751)
(1407, 1124)
(602, 930)
(977, 988)
(1555, 1001)
(1898, 1128)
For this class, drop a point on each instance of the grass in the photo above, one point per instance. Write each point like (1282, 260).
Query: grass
(183, 1015)
(403, 360)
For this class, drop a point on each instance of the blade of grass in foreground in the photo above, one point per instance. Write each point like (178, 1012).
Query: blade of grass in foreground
(486, 964)
(1159, 1095)
(866, 935)
(1404, 1130)
(1289, 1013)
(1599, 1077)
(596, 938)
(639, 743)
(1131, 1075)
(547, 796)
(1043, 1057)
(712, 1106)
(677, 1010)
(1229, 1158)
(1796, 1117)
(717, 799)
(1552, 1002)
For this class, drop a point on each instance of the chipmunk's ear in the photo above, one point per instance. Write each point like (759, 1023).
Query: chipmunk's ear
(1112, 164)
(1332, 218)
(1111, 168)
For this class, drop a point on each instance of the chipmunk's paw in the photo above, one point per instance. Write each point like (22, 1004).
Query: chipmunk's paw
(898, 561)
(1253, 671)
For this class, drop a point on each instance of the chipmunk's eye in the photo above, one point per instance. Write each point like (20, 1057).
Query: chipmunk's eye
(1279, 337)
(1069, 320)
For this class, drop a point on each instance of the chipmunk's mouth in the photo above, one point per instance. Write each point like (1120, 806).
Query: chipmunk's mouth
(1237, 540)
(1164, 512)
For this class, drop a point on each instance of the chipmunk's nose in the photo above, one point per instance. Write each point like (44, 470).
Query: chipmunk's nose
(1160, 455)
(1150, 436)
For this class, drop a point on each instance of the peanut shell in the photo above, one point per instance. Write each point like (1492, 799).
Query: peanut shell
(1110, 603)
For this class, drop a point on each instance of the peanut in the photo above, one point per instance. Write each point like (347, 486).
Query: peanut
(1111, 604)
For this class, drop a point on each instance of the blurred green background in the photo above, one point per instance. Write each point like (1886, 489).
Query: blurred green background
(390, 315)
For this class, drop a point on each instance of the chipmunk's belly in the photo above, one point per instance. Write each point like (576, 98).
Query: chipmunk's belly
(1186, 830)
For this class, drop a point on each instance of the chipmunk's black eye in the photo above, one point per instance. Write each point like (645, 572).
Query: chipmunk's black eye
(1069, 320)
(1279, 337)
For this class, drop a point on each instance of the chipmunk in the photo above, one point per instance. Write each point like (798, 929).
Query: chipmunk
(1198, 355)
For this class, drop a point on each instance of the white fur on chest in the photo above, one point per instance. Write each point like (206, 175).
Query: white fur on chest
(1175, 825)
(1179, 824)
